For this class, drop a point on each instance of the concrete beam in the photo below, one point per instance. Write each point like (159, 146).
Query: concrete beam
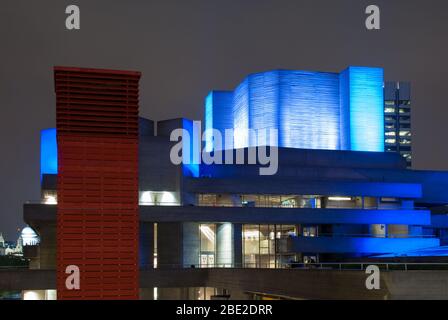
(40, 212)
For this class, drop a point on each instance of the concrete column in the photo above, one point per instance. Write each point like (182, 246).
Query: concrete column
(146, 294)
(191, 244)
(237, 234)
(169, 245)
(224, 247)
(146, 245)
(47, 246)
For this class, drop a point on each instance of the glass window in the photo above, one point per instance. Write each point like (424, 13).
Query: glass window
(405, 103)
(309, 259)
(405, 141)
(403, 110)
(405, 133)
(266, 246)
(208, 244)
(389, 119)
(309, 231)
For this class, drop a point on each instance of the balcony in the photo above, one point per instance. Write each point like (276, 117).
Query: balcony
(361, 244)
(284, 215)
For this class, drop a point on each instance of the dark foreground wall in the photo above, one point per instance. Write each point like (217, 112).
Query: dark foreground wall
(304, 284)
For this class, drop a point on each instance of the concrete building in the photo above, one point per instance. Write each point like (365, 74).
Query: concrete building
(322, 206)
(397, 119)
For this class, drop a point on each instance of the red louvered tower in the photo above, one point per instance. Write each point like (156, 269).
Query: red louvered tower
(97, 219)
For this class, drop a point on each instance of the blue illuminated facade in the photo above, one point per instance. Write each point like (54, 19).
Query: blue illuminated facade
(362, 100)
(310, 110)
(48, 152)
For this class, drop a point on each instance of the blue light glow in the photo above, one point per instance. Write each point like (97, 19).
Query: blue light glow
(240, 114)
(366, 108)
(365, 245)
(191, 169)
(48, 152)
(209, 121)
(218, 115)
(310, 110)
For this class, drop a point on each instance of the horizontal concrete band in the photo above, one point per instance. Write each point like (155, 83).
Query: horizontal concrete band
(273, 281)
(361, 244)
(274, 185)
(306, 284)
(41, 212)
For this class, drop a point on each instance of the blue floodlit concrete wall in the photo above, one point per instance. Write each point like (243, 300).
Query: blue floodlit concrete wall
(310, 110)
(365, 107)
(215, 115)
(361, 244)
(48, 152)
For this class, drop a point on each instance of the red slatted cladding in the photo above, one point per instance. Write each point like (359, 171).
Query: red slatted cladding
(97, 223)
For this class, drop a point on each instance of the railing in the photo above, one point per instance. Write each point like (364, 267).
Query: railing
(231, 205)
(13, 267)
(353, 266)
(337, 266)
(367, 235)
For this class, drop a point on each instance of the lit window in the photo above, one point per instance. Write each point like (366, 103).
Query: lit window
(405, 141)
(390, 134)
(389, 103)
(50, 197)
(389, 110)
(405, 133)
(391, 141)
(310, 231)
(337, 198)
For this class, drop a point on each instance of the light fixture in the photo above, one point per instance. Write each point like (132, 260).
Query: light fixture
(50, 200)
(339, 198)
(207, 232)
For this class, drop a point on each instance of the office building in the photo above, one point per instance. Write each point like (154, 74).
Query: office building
(397, 119)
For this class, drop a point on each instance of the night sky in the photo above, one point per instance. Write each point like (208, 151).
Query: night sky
(185, 48)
